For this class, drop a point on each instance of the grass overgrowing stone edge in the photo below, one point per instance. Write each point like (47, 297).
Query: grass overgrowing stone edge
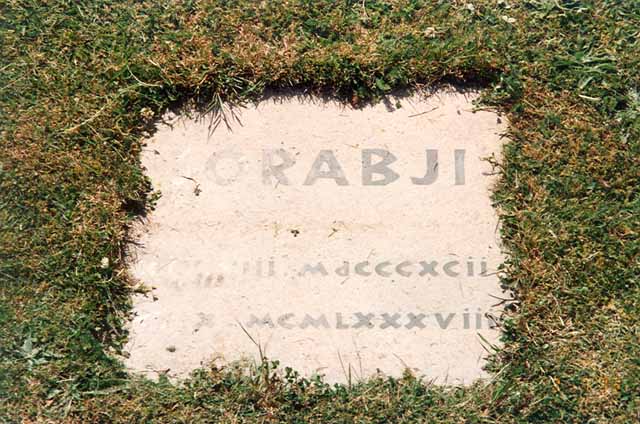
(81, 85)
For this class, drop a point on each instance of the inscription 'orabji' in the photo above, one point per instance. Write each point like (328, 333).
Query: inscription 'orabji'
(275, 162)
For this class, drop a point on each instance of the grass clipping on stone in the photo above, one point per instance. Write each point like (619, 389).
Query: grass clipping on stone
(81, 85)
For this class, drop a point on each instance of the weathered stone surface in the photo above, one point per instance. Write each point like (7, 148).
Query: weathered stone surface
(341, 241)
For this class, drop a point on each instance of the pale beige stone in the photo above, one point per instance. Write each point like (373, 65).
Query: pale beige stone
(223, 246)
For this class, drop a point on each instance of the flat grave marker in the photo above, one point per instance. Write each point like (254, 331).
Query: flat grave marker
(341, 241)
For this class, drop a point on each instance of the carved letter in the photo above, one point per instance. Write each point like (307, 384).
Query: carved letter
(334, 172)
(368, 169)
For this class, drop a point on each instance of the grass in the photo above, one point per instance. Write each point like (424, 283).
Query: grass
(81, 83)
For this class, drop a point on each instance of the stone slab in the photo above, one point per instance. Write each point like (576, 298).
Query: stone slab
(342, 242)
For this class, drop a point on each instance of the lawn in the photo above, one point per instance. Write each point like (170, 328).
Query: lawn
(81, 84)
